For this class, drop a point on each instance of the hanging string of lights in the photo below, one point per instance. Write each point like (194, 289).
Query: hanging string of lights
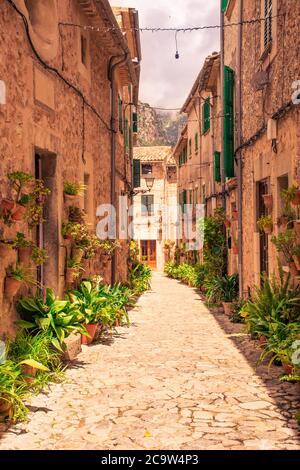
(153, 29)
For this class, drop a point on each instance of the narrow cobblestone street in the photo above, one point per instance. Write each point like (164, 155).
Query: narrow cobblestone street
(175, 380)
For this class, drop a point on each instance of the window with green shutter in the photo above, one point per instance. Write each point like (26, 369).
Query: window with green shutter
(229, 122)
(206, 116)
(217, 167)
(196, 142)
(136, 173)
(135, 122)
(224, 5)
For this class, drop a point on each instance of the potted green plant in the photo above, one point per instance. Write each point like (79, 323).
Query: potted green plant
(72, 190)
(39, 255)
(70, 230)
(73, 270)
(13, 280)
(285, 244)
(265, 224)
(268, 201)
(13, 391)
(24, 248)
(296, 256)
(20, 182)
(89, 301)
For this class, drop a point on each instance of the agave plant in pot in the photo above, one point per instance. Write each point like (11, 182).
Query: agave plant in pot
(89, 301)
(223, 289)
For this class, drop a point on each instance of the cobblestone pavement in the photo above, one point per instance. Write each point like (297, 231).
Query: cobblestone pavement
(179, 378)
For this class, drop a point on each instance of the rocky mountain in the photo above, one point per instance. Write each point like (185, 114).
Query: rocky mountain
(158, 127)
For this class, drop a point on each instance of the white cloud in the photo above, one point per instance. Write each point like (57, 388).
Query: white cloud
(166, 81)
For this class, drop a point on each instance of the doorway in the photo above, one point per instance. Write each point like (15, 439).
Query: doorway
(148, 252)
(263, 188)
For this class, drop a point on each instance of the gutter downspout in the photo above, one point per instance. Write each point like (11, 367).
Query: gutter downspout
(111, 76)
(222, 62)
(239, 154)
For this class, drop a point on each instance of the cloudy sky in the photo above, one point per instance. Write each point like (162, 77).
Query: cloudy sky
(166, 81)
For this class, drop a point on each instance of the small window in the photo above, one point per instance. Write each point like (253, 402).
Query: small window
(147, 205)
(268, 23)
(84, 52)
(196, 142)
(146, 169)
(206, 116)
(190, 146)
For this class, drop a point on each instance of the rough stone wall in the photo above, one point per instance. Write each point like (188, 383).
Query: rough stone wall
(61, 129)
(259, 160)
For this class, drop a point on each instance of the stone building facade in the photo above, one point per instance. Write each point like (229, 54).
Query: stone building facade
(264, 57)
(155, 211)
(71, 79)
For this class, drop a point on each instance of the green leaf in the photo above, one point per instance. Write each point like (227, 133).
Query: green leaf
(57, 345)
(43, 323)
(35, 364)
(50, 296)
(25, 324)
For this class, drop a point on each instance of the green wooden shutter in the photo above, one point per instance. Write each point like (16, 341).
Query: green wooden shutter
(196, 141)
(126, 135)
(229, 122)
(135, 123)
(224, 5)
(136, 173)
(217, 167)
(206, 116)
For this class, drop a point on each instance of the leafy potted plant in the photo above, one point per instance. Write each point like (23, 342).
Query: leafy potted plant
(89, 301)
(268, 201)
(73, 270)
(58, 318)
(20, 182)
(223, 289)
(72, 190)
(70, 230)
(13, 280)
(39, 256)
(285, 243)
(265, 224)
(24, 247)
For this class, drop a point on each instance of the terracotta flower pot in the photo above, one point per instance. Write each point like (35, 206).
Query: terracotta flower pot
(268, 201)
(12, 286)
(5, 407)
(19, 214)
(227, 306)
(92, 330)
(296, 259)
(288, 369)
(30, 373)
(263, 340)
(293, 269)
(70, 275)
(24, 255)
(268, 229)
(296, 198)
(297, 228)
(71, 200)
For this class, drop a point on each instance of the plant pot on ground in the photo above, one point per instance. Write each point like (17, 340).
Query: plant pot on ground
(227, 306)
(92, 330)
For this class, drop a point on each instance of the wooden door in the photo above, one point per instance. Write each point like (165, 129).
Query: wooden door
(148, 252)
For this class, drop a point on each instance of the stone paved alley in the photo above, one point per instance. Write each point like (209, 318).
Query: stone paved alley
(177, 379)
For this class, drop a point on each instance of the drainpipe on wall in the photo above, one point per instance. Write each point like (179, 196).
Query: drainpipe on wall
(239, 154)
(111, 75)
(222, 107)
